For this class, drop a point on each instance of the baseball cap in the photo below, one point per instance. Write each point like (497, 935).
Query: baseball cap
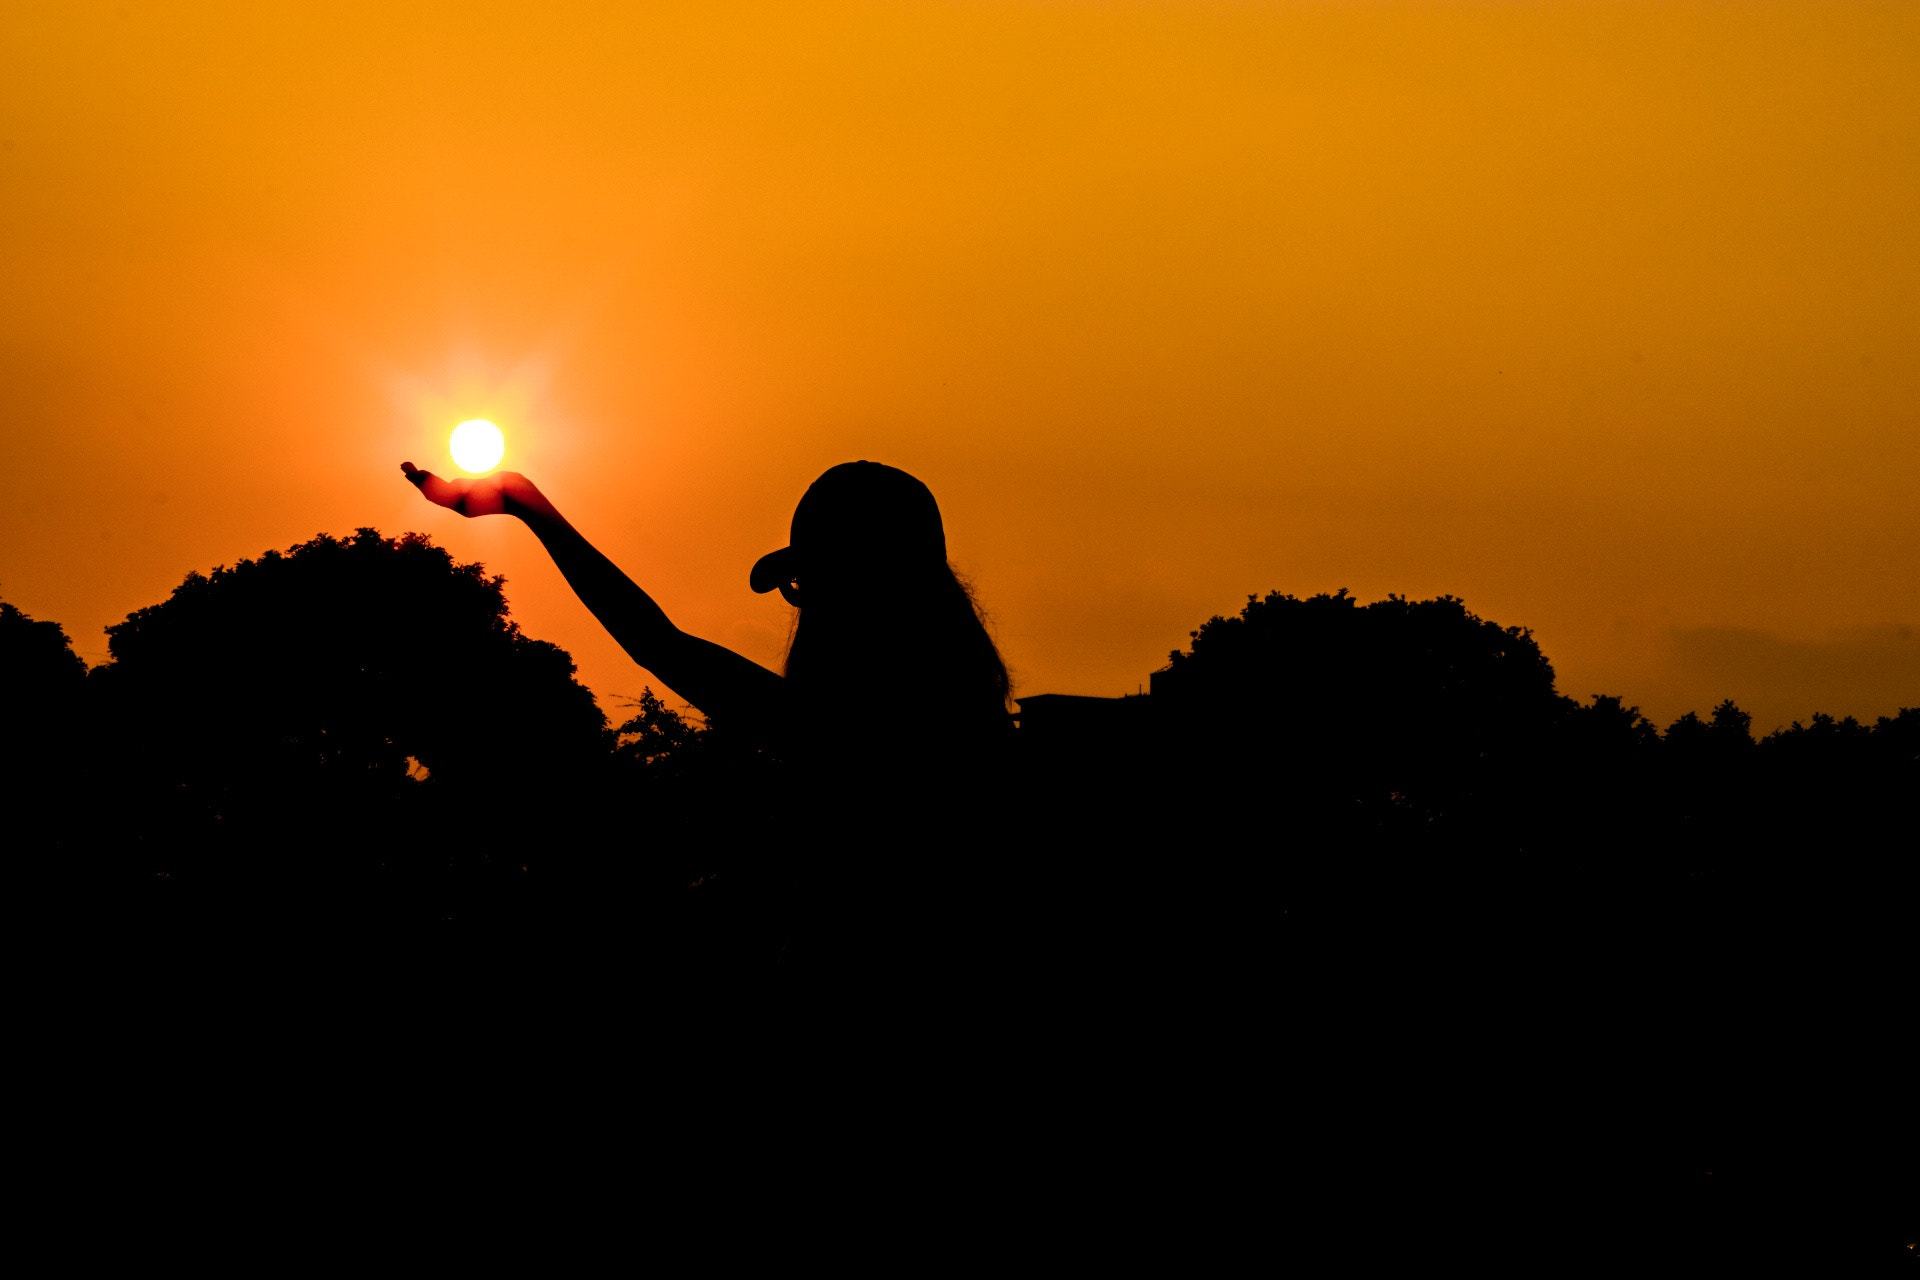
(858, 513)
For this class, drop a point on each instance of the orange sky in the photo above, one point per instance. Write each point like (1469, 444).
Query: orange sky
(1601, 316)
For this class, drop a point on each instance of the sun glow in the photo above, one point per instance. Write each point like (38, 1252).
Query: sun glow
(477, 445)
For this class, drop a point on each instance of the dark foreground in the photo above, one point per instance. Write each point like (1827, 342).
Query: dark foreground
(1355, 946)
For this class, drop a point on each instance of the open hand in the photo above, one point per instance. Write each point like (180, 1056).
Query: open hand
(501, 493)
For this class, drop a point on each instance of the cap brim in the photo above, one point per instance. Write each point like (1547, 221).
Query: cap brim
(775, 569)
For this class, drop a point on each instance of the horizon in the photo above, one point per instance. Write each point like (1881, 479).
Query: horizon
(606, 703)
(1602, 320)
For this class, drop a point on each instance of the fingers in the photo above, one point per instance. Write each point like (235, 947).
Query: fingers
(467, 497)
(444, 493)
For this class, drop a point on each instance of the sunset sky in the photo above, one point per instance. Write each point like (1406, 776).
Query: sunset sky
(1602, 316)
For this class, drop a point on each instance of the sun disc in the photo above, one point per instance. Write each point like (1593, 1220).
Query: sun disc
(477, 445)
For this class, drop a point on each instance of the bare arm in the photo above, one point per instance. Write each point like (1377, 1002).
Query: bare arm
(721, 683)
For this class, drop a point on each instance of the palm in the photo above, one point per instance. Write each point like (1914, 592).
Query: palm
(489, 495)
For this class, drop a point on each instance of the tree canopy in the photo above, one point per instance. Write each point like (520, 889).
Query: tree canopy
(1419, 707)
(42, 684)
(320, 708)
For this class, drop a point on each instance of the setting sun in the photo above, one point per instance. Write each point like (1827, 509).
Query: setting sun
(477, 445)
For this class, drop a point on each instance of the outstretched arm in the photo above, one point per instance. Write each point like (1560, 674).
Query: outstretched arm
(721, 683)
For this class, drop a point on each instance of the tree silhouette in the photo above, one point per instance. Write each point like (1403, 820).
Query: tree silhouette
(42, 735)
(354, 710)
(1360, 862)
(38, 667)
(1409, 717)
(656, 738)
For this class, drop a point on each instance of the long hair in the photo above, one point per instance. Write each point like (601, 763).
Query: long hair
(904, 658)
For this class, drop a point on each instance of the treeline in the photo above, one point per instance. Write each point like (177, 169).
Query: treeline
(357, 726)
(1355, 878)
(1426, 722)
(351, 734)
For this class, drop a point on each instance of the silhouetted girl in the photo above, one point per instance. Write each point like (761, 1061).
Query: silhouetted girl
(891, 717)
